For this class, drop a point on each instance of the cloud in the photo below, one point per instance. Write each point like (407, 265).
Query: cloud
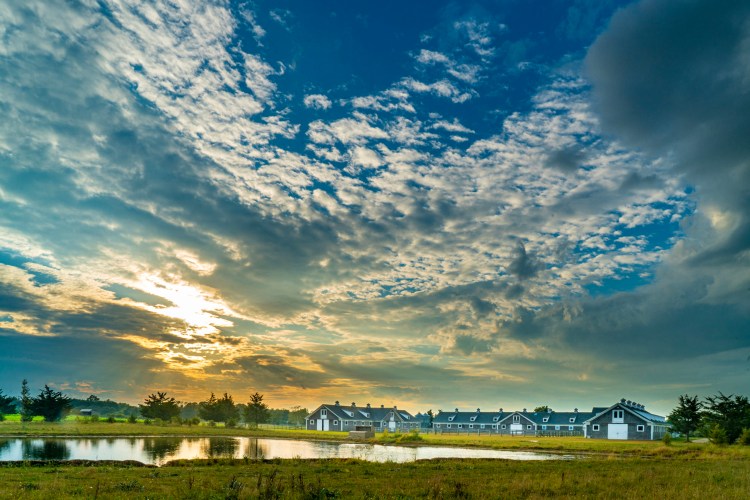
(317, 101)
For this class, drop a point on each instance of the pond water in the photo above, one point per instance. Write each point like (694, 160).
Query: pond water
(159, 450)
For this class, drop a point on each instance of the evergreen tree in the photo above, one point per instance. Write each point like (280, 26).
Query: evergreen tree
(687, 416)
(7, 404)
(50, 404)
(256, 412)
(159, 406)
(218, 409)
(730, 413)
(27, 402)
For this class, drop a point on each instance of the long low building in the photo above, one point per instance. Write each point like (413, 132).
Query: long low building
(513, 422)
(623, 420)
(335, 417)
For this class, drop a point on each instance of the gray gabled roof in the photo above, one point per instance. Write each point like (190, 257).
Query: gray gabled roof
(364, 412)
(639, 411)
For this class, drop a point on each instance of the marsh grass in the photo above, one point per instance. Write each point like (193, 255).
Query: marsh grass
(434, 479)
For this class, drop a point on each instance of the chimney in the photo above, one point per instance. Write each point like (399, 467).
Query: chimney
(382, 406)
(354, 405)
(576, 410)
(501, 410)
(524, 410)
(395, 407)
(368, 406)
(456, 410)
(337, 403)
(477, 410)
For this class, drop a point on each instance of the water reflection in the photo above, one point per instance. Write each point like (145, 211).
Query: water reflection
(220, 447)
(159, 450)
(45, 449)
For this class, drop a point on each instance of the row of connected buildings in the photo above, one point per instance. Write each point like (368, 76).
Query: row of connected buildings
(622, 420)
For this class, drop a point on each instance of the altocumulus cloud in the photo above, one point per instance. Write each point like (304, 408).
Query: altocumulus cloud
(172, 202)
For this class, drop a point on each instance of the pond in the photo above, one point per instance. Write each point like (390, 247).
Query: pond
(159, 450)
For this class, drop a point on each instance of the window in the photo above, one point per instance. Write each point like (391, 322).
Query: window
(618, 416)
(471, 426)
(640, 428)
(528, 426)
(473, 418)
(544, 427)
(503, 426)
(335, 422)
(460, 426)
(595, 427)
(494, 426)
(570, 427)
(557, 427)
(450, 419)
(572, 419)
(448, 426)
(495, 419)
(481, 426)
(323, 412)
(516, 419)
(545, 419)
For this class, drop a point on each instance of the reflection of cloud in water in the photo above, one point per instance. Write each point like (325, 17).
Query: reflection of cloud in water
(159, 450)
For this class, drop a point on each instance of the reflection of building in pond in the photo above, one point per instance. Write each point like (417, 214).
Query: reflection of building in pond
(220, 447)
(4, 444)
(45, 449)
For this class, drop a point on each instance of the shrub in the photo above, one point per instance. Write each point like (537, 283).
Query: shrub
(132, 419)
(176, 420)
(111, 420)
(231, 423)
(211, 423)
(667, 439)
(744, 438)
(718, 435)
(94, 418)
(195, 421)
(147, 421)
(2, 417)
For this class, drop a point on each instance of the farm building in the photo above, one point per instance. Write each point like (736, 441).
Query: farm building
(335, 417)
(626, 420)
(513, 422)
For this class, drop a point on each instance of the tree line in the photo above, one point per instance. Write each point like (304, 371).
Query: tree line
(159, 406)
(723, 419)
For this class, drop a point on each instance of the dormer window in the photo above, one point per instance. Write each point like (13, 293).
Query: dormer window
(516, 419)
(495, 419)
(323, 412)
(572, 419)
(450, 419)
(545, 419)
(473, 418)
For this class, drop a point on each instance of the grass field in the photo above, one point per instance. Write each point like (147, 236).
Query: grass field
(610, 469)
(590, 478)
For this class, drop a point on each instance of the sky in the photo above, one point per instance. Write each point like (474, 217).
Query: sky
(430, 204)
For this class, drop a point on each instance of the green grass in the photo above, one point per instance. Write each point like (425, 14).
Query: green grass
(590, 478)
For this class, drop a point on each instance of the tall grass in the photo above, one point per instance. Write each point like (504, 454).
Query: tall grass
(591, 478)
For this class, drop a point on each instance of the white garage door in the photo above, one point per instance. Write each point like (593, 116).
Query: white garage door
(516, 428)
(617, 431)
